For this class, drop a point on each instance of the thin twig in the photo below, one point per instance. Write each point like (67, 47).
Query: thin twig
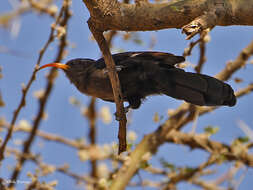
(232, 171)
(26, 89)
(62, 169)
(92, 134)
(42, 8)
(51, 77)
(185, 175)
(24, 7)
(49, 137)
(216, 148)
(188, 50)
(240, 62)
(207, 185)
(202, 57)
(202, 48)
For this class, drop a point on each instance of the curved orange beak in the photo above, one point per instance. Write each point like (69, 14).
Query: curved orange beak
(57, 65)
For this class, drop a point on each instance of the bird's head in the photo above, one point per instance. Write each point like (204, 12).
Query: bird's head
(75, 69)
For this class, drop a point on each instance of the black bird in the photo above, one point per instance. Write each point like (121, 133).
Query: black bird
(146, 73)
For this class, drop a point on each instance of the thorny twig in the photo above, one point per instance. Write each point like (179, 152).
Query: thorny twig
(26, 88)
(62, 19)
(199, 141)
(185, 175)
(62, 169)
(27, 6)
(49, 137)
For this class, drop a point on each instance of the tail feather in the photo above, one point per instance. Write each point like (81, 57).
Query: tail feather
(199, 89)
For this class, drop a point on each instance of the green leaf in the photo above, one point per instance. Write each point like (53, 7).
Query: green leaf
(211, 130)
(189, 170)
(144, 165)
(243, 139)
(167, 164)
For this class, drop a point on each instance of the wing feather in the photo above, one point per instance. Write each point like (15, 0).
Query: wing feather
(125, 59)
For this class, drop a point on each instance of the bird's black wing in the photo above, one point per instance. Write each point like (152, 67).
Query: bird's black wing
(130, 59)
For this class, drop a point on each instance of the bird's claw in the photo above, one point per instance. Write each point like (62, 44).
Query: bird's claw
(126, 109)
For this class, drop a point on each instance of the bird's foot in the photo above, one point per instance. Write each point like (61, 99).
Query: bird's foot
(117, 67)
(126, 109)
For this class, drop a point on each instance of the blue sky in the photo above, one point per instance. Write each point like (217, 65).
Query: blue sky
(65, 119)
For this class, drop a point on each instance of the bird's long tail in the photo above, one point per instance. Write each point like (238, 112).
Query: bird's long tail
(199, 89)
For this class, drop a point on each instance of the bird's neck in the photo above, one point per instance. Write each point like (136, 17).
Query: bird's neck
(78, 79)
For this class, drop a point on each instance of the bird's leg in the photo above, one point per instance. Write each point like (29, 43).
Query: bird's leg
(134, 103)
(117, 67)
(126, 109)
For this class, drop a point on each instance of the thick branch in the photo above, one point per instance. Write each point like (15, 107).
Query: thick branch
(199, 14)
(110, 14)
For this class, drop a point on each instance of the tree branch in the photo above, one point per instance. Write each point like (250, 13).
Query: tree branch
(49, 137)
(233, 66)
(192, 16)
(91, 115)
(200, 141)
(26, 89)
(118, 97)
(65, 15)
(177, 120)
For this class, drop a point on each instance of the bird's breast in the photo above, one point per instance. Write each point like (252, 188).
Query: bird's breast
(98, 85)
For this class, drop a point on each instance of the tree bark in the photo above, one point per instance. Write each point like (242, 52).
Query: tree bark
(192, 16)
